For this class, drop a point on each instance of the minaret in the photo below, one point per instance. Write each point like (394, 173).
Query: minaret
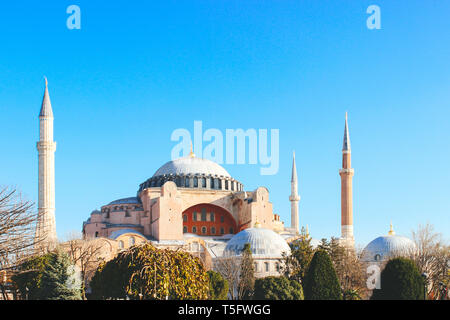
(46, 226)
(346, 174)
(294, 198)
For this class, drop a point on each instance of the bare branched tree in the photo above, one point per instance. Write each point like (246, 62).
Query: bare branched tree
(17, 228)
(87, 254)
(230, 268)
(432, 256)
(17, 233)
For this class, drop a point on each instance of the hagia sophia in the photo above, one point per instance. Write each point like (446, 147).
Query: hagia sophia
(196, 205)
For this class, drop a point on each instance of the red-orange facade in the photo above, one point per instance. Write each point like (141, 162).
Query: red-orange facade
(208, 220)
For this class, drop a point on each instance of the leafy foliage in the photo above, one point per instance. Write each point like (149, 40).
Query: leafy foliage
(47, 277)
(145, 272)
(277, 288)
(295, 264)
(321, 282)
(400, 280)
(218, 286)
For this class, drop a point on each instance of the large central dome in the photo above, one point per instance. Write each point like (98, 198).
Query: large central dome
(192, 165)
(193, 173)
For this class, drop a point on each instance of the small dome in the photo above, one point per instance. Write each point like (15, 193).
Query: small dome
(384, 247)
(191, 165)
(263, 243)
(131, 200)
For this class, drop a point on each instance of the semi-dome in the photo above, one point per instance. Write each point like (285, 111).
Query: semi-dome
(384, 247)
(264, 243)
(192, 165)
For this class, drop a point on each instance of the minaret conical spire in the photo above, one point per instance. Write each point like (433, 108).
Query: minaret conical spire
(294, 197)
(46, 107)
(346, 144)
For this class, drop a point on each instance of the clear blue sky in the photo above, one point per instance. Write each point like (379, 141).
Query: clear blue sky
(137, 70)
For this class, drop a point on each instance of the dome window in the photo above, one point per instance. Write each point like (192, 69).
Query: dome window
(195, 182)
(120, 244)
(131, 241)
(204, 230)
(377, 257)
(203, 182)
(185, 219)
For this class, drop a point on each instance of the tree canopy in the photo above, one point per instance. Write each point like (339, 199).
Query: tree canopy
(321, 281)
(400, 280)
(277, 288)
(218, 286)
(145, 272)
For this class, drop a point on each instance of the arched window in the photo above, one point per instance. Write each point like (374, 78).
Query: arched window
(194, 229)
(120, 244)
(277, 266)
(185, 219)
(226, 184)
(211, 216)
(96, 234)
(219, 185)
(185, 229)
(203, 230)
(222, 218)
(203, 214)
(211, 183)
(267, 266)
(213, 230)
(222, 230)
(195, 182)
(203, 183)
(131, 241)
(186, 182)
(377, 257)
(231, 230)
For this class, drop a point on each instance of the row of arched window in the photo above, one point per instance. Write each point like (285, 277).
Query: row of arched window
(204, 230)
(194, 182)
(266, 267)
(131, 242)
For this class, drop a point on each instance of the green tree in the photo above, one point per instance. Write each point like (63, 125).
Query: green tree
(400, 280)
(27, 278)
(277, 288)
(218, 286)
(59, 279)
(145, 272)
(48, 277)
(321, 281)
(247, 274)
(295, 265)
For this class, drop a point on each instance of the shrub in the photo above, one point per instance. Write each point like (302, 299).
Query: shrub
(400, 280)
(321, 282)
(277, 288)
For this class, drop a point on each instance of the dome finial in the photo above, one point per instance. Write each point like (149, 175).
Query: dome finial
(191, 154)
(391, 230)
(46, 82)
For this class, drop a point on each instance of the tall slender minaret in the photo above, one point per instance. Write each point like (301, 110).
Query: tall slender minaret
(294, 198)
(46, 226)
(346, 174)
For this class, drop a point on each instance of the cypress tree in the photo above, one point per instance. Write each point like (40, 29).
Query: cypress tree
(58, 280)
(321, 281)
(247, 274)
(400, 280)
(218, 286)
